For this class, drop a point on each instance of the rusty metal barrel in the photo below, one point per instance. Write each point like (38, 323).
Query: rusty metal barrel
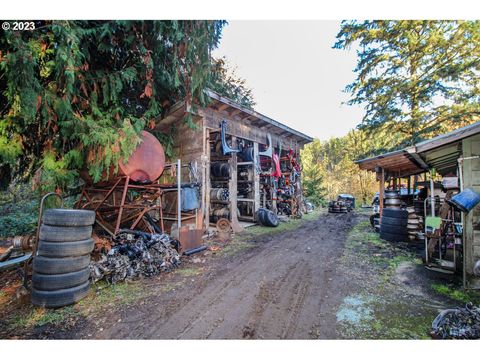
(145, 165)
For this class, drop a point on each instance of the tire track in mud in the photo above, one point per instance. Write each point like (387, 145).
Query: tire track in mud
(283, 288)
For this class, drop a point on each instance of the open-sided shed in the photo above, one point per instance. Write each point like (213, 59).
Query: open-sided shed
(249, 177)
(457, 153)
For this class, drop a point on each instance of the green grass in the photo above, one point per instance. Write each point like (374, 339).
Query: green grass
(392, 317)
(456, 293)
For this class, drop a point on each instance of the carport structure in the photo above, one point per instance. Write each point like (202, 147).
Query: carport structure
(456, 152)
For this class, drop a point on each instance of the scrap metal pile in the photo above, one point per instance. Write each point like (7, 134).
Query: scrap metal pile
(136, 254)
(458, 323)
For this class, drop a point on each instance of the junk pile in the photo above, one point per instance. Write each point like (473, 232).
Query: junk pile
(136, 254)
(458, 323)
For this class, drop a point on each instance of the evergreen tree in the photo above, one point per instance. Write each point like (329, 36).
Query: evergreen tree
(225, 81)
(77, 93)
(419, 78)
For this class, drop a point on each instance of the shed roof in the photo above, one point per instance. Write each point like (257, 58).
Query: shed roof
(253, 117)
(399, 162)
(258, 119)
(440, 152)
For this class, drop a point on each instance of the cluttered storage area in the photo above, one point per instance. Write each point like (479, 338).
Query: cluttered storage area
(224, 167)
(428, 196)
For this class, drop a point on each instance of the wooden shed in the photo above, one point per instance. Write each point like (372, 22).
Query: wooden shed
(458, 153)
(246, 171)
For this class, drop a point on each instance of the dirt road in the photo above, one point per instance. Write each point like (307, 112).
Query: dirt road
(287, 287)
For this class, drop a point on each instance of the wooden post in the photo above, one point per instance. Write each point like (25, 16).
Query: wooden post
(256, 180)
(409, 184)
(382, 190)
(208, 184)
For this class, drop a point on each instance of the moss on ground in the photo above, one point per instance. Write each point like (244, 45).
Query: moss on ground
(390, 312)
(456, 293)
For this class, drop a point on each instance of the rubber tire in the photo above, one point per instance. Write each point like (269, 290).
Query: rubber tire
(394, 221)
(393, 229)
(58, 298)
(392, 237)
(261, 216)
(60, 281)
(395, 213)
(65, 249)
(68, 217)
(49, 266)
(271, 219)
(64, 233)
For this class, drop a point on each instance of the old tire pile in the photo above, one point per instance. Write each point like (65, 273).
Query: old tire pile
(393, 226)
(61, 267)
(267, 218)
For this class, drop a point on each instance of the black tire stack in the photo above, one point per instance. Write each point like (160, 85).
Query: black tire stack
(61, 266)
(267, 218)
(393, 226)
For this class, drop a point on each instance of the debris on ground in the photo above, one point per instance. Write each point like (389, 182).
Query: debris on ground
(136, 254)
(458, 323)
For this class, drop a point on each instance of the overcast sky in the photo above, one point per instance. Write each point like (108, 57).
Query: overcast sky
(296, 76)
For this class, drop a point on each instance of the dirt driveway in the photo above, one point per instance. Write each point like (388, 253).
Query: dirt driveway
(287, 287)
(326, 277)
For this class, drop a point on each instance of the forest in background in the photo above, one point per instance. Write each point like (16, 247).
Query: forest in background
(415, 80)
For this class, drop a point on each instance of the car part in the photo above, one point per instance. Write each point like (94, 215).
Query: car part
(45, 265)
(60, 281)
(225, 147)
(68, 217)
(269, 151)
(65, 249)
(58, 298)
(64, 233)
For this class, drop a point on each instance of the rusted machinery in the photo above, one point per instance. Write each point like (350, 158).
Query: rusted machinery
(131, 198)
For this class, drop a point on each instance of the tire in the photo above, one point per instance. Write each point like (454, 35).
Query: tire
(49, 266)
(271, 219)
(58, 298)
(65, 249)
(261, 216)
(60, 281)
(64, 233)
(392, 237)
(68, 217)
(393, 229)
(395, 213)
(394, 221)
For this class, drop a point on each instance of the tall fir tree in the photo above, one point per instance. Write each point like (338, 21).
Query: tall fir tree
(77, 93)
(418, 78)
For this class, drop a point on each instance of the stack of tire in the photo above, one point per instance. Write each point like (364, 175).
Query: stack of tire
(392, 199)
(61, 266)
(414, 224)
(267, 218)
(393, 225)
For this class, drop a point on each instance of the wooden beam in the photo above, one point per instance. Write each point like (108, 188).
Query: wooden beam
(381, 190)
(223, 107)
